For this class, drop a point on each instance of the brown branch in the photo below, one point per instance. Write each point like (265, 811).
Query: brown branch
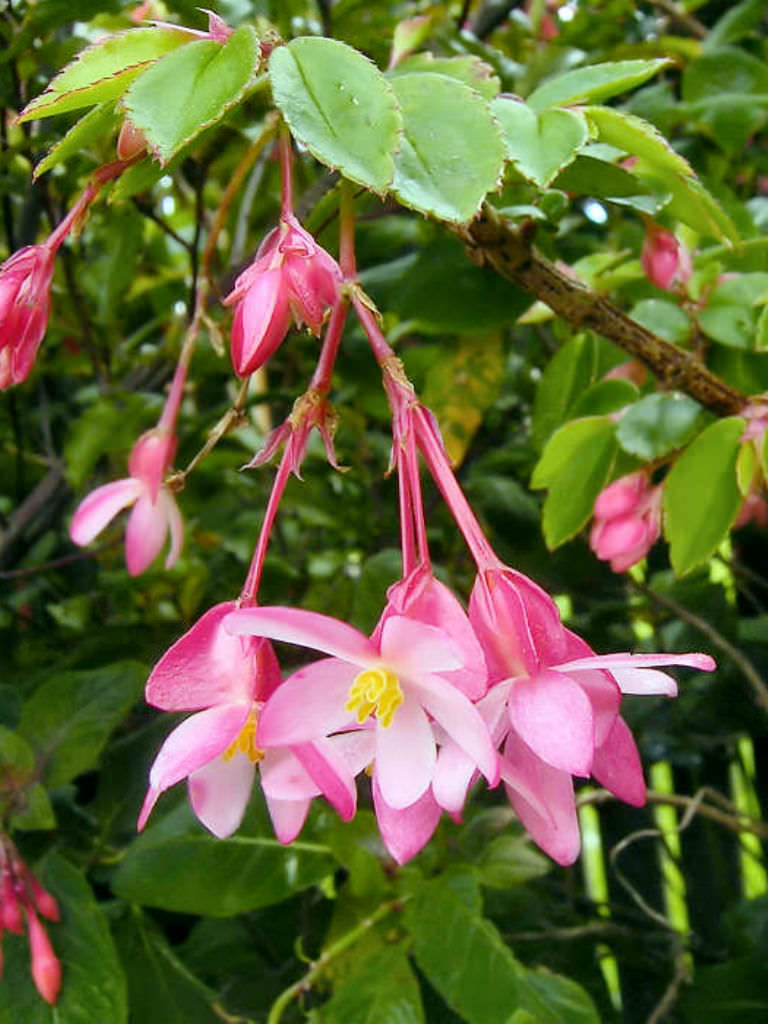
(493, 242)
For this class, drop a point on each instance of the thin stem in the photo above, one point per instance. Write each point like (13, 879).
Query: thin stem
(286, 172)
(321, 378)
(251, 585)
(407, 544)
(347, 260)
(318, 966)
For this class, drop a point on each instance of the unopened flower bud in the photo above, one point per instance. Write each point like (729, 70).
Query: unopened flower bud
(664, 259)
(131, 141)
(46, 969)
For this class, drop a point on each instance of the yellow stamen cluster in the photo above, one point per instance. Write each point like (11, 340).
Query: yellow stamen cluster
(245, 742)
(375, 690)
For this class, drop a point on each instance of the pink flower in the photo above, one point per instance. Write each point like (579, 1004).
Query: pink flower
(556, 705)
(46, 969)
(627, 521)
(393, 685)
(25, 285)
(291, 278)
(155, 512)
(225, 680)
(664, 259)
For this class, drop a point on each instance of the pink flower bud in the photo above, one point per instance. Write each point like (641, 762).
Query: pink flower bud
(25, 283)
(45, 903)
(621, 496)
(664, 260)
(627, 521)
(46, 969)
(131, 141)
(10, 911)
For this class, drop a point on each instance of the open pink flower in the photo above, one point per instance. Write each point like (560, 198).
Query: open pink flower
(225, 680)
(291, 278)
(155, 512)
(562, 706)
(627, 521)
(392, 685)
(25, 287)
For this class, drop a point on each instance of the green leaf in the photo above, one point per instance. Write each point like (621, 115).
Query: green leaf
(161, 990)
(164, 866)
(603, 397)
(761, 330)
(594, 84)
(690, 202)
(730, 325)
(104, 70)
(539, 145)
(94, 127)
(588, 176)
(746, 468)
(553, 999)
(566, 376)
(637, 138)
(36, 812)
(191, 89)
(383, 990)
(575, 465)
(664, 318)
(71, 716)
(467, 69)
(462, 955)
(737, 22)
(721, 70)
(451, 153)
(701, 495)
(658, 424)
(106, 426)
(510, 860)
(93, 984)
(340, 106)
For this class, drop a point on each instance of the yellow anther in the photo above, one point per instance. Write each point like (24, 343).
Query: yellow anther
(245, 742)
(375, 690)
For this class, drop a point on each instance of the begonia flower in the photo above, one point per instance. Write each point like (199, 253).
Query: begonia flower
(155, 513)
(225, 680)
(627, 521)
(392, 685)
(25, 287)
(291, 278)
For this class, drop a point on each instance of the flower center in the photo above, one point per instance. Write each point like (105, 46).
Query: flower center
(245, 741)
(375, 689)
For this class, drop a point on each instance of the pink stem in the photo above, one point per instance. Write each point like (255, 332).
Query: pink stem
(97, 181)
(407, 544)
(167, 420)
(347, 260)
(251, 585)
(286, 172)
(321, 378)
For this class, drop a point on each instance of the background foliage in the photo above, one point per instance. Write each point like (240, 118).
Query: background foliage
(658, 922)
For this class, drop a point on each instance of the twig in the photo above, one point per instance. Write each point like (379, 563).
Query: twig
(742, 662)
(682, 976)
(493, 242)
(677, 14)
(59, 563)
(41, 497)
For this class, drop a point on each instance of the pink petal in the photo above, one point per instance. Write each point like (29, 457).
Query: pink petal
(452, 778)
(645, 681)
(176, 525)
(462, 721)
(209, 666)
(283, 777)
(329, 771)
(623, 659)
(307, 629)
(617, 765)
(145, 534)
(413, 648)
(557, 833)
(288, 817)
(405, 755)
(219, 793)
(552, 714)
(619, 536)
(308, 705)
(261, 321)
(406, 830)
(621, 496)
(101, 506)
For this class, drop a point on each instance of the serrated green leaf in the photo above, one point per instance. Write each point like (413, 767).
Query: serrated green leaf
(637, 138)
(701, 495)
(95, 126)
(93, 984)
(689, 201)
(190, 90)
(340, 106)
(569, 373)
(163, 868)
(451, 154)
(462, 955)
(540, 145)
(658, 424)
(104, 70)
(467, 69)
(384, 990)
(69, 719)
(575, 465)
(595, 83)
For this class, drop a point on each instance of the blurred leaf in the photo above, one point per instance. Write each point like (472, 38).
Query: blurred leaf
(348, 118)
(738, 21)
(94, 127)
(451, 154)
(191, 89)
(103, 70)
(93, 984)
(71, 716)
(383, 990)
(539, 145)
(603, 397)
(566, 376)
(467, 69)
(510, 860)
(108, 425)
(665, 318)
(658, 424)
(594, 84)
(701, 494)
(553, 999)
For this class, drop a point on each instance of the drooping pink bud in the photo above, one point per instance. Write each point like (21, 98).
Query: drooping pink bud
(10, 911)
(45, 903)
(664, 259)
(131, 141)
(627, 521)
(46, 969)
(25, 285)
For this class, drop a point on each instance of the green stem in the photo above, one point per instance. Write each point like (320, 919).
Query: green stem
(303, 984)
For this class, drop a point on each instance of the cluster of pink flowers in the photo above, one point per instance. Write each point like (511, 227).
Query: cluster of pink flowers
(22, 898)
(627, 521)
